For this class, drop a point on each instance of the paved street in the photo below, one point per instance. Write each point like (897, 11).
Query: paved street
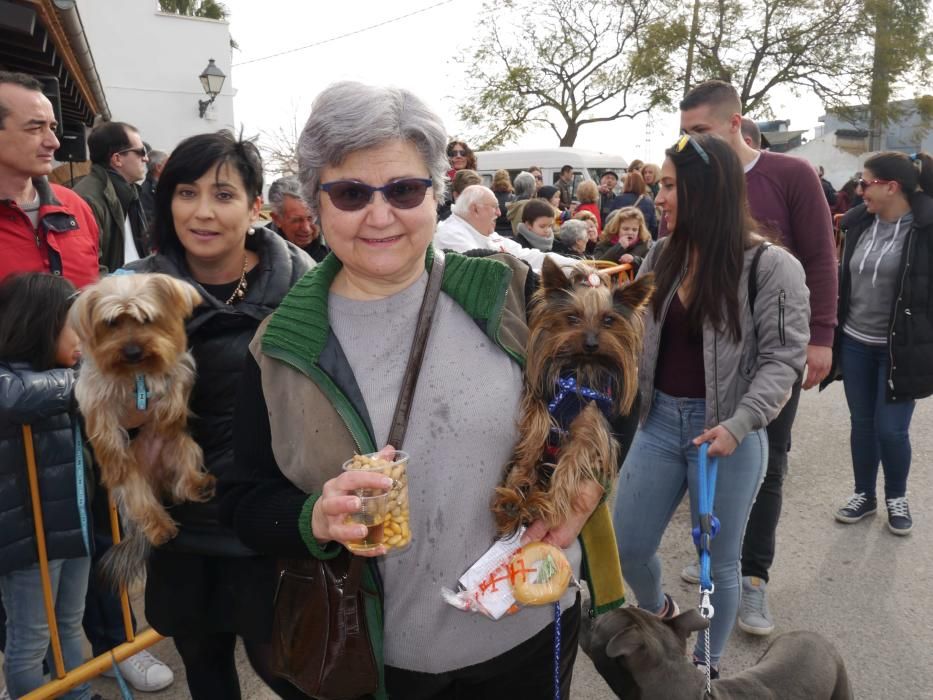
(858, 584)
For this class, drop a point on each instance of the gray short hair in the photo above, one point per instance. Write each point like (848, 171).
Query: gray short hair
(156, 158)
(282, 188)
(471, 195)
(525, 185)
(350, 116)
(572, 231)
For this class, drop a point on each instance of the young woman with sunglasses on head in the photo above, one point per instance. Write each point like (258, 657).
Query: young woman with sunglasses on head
(460, 157)
(713, 370)
(334, 354)
(884, 341)
(205, 587)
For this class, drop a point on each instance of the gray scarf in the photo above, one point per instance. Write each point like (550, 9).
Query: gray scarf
(544, 244)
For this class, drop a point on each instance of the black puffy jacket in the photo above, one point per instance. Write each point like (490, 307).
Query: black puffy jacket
(910, 335)
(44, 400)
(218, 337)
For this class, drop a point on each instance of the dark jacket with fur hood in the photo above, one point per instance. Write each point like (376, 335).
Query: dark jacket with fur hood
(218, 337)
(910, 334)
(45, 401)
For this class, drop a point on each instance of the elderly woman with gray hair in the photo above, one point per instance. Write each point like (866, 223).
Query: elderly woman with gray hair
(324, 375)
(572, 238)
(525, 190)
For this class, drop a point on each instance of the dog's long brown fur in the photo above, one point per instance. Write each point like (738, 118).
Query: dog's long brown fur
(595, 331)
(131, 325)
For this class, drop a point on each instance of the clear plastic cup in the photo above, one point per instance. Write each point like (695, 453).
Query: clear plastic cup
(397, 528)
(372, 514)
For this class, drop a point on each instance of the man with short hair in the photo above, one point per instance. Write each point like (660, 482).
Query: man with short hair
(565, 187)
(148, 189)
(43, 227)
(293, 219)
(751, 134)
(828, 190)
(608, 182)
(785, 196)
(118, 162)
(472, 225)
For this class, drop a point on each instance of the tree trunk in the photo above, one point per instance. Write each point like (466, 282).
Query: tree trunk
(880, 87)
(570, 135)
(694, 30)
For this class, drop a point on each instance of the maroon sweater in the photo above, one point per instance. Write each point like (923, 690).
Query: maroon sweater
(785, 196)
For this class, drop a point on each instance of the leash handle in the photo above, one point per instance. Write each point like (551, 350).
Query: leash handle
(708, 468)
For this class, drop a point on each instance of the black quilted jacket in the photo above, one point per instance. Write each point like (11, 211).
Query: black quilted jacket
(43, 400)
(910, 335)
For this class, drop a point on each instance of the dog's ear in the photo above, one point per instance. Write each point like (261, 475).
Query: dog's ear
(687, 623)
(634, 296)
(81, 314)
(177, 293)
(553, 278)
(625, 643)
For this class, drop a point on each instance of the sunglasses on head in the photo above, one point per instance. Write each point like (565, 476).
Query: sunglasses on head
(865, 184)
(456, 153)
(349, 195)
(141, 152)
(687, 138)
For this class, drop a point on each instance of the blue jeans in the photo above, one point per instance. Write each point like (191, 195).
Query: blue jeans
(27, 628)
(879, 428)
(662, 465)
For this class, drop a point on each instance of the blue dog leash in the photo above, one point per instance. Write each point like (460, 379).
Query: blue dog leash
(703, 535)
(142, 393)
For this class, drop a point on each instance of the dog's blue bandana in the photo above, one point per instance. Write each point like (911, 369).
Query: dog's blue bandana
(142, 393)
(568, 402)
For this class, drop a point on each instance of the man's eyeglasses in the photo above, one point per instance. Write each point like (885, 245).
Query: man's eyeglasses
(349, 195)
(141, 152)
(865, 184)
(687, 138)
(456, 153)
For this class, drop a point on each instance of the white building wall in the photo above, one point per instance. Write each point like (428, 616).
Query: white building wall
(838, 165)
(149, 64)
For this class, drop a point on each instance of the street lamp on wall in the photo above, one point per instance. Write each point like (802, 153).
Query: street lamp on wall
(212, 80)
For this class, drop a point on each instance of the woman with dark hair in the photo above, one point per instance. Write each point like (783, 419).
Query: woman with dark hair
(461, 157)
(205, 587)
(883, 348)
(716, 369)
(635, 193)
(502, 188)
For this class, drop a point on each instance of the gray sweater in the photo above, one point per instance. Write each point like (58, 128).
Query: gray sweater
(460, 435)
(873, 270)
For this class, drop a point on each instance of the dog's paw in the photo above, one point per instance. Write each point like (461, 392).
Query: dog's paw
(508, 510)
(160, 532)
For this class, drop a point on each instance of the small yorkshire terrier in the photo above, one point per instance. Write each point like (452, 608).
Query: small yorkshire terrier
(132, 331)
(581, 372)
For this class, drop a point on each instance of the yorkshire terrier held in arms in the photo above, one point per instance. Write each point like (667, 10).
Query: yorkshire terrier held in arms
(581, 372)
(137, 371)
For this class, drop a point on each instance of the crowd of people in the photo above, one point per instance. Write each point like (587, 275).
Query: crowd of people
(301, 346)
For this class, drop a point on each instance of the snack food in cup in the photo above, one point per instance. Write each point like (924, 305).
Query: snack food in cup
(397, 529)
(542, 574)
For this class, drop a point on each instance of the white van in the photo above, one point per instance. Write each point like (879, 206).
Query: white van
(587, 165)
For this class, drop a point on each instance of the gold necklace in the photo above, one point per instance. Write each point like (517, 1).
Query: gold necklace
(240, 290)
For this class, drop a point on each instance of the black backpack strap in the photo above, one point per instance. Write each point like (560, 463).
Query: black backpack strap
(753, 275)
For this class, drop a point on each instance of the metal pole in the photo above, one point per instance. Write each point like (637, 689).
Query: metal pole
(33, 476)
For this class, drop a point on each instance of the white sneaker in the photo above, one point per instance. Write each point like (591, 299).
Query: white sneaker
(4, 694)
(144, 672)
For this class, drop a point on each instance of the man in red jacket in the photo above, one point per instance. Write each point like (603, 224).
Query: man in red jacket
(786, 198)
(43, 227)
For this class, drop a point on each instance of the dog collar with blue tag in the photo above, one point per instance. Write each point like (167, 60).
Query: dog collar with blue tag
(142, 393)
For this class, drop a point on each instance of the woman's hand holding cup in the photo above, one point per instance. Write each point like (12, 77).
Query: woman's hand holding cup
(338, 501)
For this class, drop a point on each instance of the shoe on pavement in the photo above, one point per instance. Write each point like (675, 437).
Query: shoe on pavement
(899, 520)
(691, 573)
(144, 672)
(754, 616)
(859, 506)
(4, 694)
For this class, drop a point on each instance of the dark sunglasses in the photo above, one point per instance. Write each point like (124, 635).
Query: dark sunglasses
(348, 195)
(865, 184)
(454, 154)
(687, 138)
(141, 152)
